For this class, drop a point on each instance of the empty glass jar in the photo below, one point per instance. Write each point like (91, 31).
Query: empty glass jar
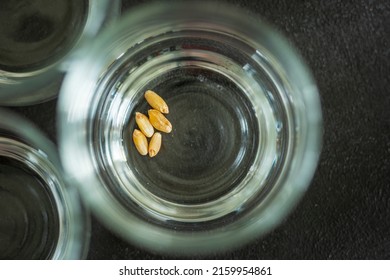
(39, 38)
(41, 215)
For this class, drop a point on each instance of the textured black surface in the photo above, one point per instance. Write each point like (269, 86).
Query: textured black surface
(346, 212)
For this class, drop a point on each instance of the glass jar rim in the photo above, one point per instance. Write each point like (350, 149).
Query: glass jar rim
(23, 141)
(41, 85)
(154, 237)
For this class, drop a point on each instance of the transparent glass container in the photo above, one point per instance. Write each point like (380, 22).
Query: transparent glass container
(41, 215)
(246, 121)
(38, 41)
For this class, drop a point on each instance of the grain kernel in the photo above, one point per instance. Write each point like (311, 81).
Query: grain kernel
(140, 142)
(155, 144)
(156, 101)
(159, 121)
(144, 124)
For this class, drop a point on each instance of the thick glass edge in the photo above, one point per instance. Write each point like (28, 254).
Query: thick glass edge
(77, 235)
(45, 84)
(309, 158)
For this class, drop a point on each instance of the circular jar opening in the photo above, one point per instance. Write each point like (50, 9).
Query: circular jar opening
(29, 216)
(39, 39)
(40, 216)
(36, 33)
(246, 128)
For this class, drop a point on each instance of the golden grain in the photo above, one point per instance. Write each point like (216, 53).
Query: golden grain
(155, 144)
(159, 121)
(140, 142)
(156, 101)
(144, 124)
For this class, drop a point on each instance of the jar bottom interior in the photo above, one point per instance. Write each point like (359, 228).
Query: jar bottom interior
(29, 224)
(213, 142)
(34, 33)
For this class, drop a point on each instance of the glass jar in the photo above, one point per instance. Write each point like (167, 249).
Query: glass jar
(41, 215)
(38, 40)
(246, 122)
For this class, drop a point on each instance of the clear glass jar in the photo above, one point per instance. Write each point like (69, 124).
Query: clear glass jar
(38, 40)
(246, 121)
(41, 215)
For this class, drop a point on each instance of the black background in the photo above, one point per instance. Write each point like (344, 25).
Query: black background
(346, 212)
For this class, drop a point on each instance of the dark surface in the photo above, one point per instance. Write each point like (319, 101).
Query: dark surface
(346, 212)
